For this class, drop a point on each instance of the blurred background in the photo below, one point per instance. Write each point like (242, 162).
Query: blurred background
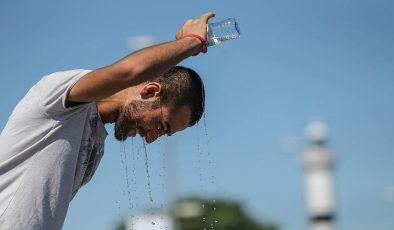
(243, 166)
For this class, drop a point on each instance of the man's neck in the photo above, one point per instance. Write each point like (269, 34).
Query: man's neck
(109, 107)
(108, 110)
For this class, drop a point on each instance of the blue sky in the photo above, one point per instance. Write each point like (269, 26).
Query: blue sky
(296, 62)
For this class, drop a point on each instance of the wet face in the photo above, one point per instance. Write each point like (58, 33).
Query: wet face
(149, 120)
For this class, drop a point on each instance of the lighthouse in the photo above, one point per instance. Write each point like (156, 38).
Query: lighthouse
(318, 164)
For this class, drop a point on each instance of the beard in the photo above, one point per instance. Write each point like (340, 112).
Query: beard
(129, 117)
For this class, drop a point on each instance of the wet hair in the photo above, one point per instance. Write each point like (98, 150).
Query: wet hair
(182, 86)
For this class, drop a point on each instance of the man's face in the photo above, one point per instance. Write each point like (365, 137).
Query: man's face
(149, 121)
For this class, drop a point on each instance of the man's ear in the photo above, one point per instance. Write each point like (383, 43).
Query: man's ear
(152, 89)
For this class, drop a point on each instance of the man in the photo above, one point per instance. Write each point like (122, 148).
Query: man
(54, 138)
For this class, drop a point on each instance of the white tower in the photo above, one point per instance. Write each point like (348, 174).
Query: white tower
(318, 163)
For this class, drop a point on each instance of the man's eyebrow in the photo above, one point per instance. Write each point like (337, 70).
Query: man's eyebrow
(168, 129)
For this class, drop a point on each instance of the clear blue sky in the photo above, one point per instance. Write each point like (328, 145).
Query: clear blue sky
(297, 61)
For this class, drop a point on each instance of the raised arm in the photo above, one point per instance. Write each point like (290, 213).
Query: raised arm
(140, 66)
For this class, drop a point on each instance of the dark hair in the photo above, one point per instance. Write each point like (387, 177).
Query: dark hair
(182, 86)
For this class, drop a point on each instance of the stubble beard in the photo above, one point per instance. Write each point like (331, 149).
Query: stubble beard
(128, 117)
(124, 121)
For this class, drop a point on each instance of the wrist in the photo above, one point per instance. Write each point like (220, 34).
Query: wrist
(198, 38)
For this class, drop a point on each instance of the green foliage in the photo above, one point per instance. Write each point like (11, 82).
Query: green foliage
(221, 215)
(218, 215)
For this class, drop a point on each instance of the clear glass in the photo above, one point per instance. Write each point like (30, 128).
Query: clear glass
(219, 32)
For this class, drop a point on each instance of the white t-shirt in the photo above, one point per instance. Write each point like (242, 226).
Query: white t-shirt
(47, 152)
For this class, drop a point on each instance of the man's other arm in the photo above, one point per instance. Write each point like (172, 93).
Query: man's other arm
(140, 66)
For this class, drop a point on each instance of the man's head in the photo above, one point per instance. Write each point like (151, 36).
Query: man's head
(167, 104)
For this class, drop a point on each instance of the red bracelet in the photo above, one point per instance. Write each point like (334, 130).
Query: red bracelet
(202, 40)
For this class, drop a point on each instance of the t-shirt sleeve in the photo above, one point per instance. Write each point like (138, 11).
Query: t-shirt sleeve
(54, 89)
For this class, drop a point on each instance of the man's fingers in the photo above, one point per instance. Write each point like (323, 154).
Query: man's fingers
(205, 17)
(188, 22)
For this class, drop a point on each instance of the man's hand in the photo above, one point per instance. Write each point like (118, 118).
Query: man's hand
(195, 26)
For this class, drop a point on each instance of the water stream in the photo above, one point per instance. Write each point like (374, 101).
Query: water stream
(148, 176)
(210, 169)
(205, 166)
